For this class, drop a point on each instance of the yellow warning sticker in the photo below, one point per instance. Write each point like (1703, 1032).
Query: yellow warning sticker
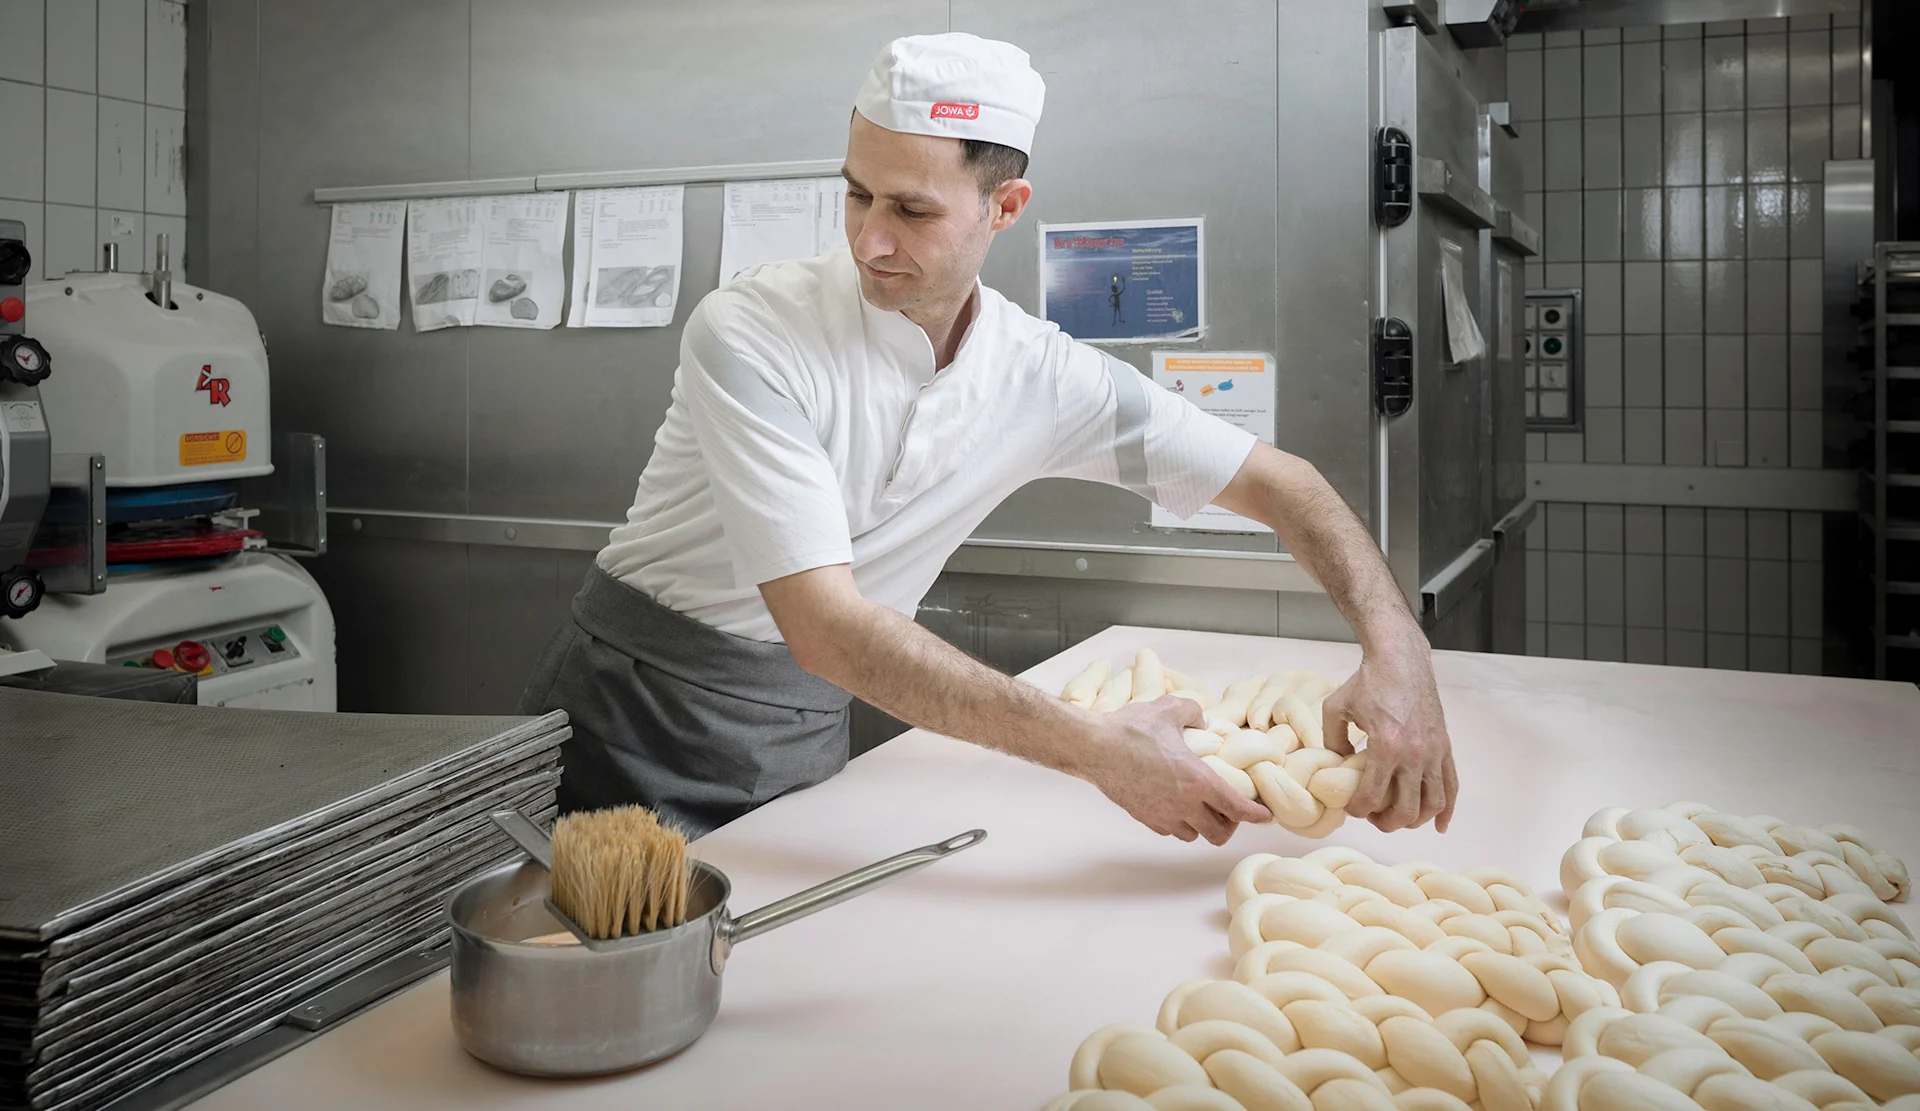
(197, 449)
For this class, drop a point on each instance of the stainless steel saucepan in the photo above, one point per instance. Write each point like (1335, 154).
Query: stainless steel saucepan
(583, 1009)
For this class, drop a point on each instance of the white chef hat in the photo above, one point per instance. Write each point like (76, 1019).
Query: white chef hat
(956, 86)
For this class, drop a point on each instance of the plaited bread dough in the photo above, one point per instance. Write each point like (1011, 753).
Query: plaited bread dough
(1796, 968)
(1263, 736)
(1149, 678)
(1293, 1041)
(1443, 940)
(1115, 692)
(1745, 852)
(1306, 788)
(1235, 701)
(1712, 1056)
(1083, 688)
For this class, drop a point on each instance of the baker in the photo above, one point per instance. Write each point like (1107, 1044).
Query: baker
(840, 424)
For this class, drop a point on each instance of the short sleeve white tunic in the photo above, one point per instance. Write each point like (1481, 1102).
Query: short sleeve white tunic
(809, 428)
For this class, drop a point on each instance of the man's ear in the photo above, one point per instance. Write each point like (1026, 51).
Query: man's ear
(1008, 201)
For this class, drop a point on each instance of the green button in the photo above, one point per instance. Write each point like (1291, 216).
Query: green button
(1552, 346)
(130, 663)
(276, 634)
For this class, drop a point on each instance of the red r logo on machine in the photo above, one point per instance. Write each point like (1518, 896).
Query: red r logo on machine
(216, 388)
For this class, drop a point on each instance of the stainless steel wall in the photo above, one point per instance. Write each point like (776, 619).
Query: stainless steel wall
(1153, 109)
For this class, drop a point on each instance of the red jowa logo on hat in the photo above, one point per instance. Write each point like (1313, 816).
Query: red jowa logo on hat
(946, 110)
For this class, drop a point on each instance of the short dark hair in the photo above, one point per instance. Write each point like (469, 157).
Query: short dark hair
(993, 163)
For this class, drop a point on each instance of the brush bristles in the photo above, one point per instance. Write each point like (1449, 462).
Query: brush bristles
(620, 872)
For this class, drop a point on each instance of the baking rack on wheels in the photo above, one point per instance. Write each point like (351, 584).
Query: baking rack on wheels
(971, 985)
(1890, 468)
(186, 890)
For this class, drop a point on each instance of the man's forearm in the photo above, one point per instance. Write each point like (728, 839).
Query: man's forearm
(896, 665)
(1327, 539)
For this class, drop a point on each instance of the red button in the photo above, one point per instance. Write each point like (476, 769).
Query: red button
(191, 656)
(12, 309)
(163, 659)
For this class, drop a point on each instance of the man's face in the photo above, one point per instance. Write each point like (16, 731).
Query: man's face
(917, 224)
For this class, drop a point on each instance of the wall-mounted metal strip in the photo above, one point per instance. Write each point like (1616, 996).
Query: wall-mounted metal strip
(589, 179)
(1457, 580)
(1827, 491)
(1439, 183)
(424, 190)
(1593, 14)
(1226, 570)
(1510, 231)
(1515, 522)
(693, 175)
(1220, 570)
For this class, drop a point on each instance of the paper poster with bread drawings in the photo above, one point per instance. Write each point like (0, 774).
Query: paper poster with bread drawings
(445, 241)
(635, 265)
(522, 272)
(361, 288)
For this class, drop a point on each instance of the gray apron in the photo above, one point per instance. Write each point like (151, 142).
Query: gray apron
(698, 724)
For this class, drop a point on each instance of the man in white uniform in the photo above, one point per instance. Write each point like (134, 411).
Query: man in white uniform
(840, 425)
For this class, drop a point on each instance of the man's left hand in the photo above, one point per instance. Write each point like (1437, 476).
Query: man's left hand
(1392, 699)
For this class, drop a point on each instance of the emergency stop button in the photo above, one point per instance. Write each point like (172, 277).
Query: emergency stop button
(12, 309)
(192, 657)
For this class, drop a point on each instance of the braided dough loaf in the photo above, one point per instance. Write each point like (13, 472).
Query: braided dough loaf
(1446, 941)
(1264, 736)
(1293, 1041)
(1306, 787)
(1102, 689)
(1745, 852)
(1700, 1052)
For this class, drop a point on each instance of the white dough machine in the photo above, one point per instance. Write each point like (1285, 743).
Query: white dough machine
(165, 482)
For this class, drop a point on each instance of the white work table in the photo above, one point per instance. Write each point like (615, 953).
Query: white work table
(969, 985)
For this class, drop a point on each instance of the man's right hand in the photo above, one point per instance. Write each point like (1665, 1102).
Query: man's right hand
(1148, 770)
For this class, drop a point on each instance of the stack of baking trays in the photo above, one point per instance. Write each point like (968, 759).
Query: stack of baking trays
(175, 879)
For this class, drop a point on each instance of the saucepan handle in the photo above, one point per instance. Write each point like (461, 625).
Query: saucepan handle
(795, 907)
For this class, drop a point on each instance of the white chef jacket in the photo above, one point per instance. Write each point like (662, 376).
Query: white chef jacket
(809, 428)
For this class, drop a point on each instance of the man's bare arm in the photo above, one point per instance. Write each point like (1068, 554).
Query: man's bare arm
(1410, 777)
(1136, 756)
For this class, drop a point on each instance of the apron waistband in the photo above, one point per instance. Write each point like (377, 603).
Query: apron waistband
(695, 652)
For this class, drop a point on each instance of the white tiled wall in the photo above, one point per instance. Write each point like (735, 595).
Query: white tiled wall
(1675, 174)
(92, 128)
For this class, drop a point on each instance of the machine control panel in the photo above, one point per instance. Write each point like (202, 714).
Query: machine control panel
(1551, 349)
(210, 654)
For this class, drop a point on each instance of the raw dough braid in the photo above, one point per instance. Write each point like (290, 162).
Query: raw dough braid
(1792, 967)
(1103, 689)
(1701, 1052)
(1264, 736)
(1306, 788)
(1295, 1042)
(1745, 852)
(1444, 940)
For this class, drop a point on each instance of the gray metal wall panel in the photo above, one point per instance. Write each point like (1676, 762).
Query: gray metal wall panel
(561, 422)
(441, 628)
(1191, 134)
(611, 84)
(226, 147)
(357, 92)
(400, 624)
(516, 599)
(1325, 103)
(1400, 279)
(1507, 599)
(1447, 395)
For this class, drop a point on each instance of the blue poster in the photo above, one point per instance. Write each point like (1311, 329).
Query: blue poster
(1124, 281)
